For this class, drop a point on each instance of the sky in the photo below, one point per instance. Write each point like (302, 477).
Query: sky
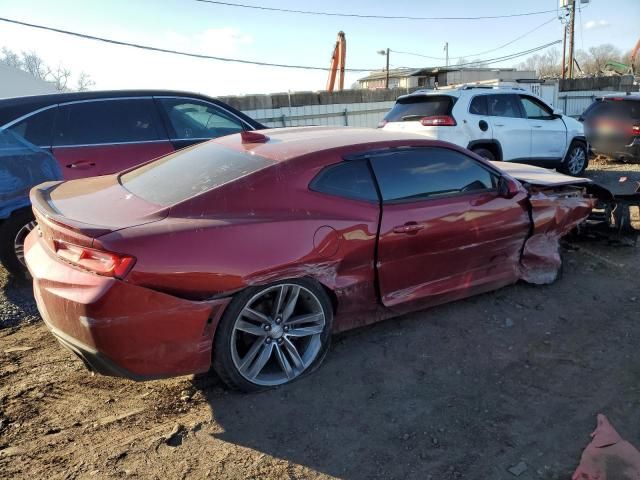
(288, 38)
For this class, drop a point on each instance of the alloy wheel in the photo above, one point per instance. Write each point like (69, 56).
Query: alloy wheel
(18, 242)
(576, 161)
(278, 334)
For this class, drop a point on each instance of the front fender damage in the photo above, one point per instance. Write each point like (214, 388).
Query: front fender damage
(554, 213)
(587, 209)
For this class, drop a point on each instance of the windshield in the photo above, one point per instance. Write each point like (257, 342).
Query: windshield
(413, 108)
(186, 173)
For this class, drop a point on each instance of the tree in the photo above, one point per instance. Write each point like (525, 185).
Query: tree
(84, 82)
(33, 64)
(545, 65)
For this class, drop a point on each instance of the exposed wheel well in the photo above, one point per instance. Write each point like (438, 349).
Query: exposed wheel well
(492, 146)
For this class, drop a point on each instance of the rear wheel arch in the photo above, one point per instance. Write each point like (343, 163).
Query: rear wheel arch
(492, 145)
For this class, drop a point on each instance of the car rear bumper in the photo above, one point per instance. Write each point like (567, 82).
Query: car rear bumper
(120, 329)
(619, 151)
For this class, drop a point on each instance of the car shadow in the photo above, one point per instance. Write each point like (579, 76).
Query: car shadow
(432, 394)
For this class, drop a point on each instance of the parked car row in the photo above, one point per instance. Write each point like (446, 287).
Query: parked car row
(97, 133)
(246, 252)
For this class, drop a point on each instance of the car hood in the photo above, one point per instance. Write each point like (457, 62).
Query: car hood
(543, 177)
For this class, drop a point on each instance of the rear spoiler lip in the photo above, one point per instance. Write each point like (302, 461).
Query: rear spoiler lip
(40, 202)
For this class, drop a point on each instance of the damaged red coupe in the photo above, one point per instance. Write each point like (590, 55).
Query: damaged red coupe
(248, 251)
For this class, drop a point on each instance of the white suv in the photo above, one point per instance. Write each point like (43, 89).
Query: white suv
(498, 123)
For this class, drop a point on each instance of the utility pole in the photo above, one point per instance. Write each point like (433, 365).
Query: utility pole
(572, 18)
(446, 53)
(386, 52)
(564, 50)
(387, 81)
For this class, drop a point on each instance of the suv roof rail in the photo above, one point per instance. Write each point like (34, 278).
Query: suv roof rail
(470, 86)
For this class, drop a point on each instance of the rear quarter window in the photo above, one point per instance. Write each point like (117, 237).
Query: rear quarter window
(415, 107)
(189, 172)
(349, 179)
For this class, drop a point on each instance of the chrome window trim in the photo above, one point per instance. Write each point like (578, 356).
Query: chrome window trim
(165, 140)
(71, 102)
(243, 122)
(27, 115)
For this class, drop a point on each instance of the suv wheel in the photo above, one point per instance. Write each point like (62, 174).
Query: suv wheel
(576, 160)
(485, 153)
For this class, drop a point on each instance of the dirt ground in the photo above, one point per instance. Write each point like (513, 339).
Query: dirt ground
(467, 390)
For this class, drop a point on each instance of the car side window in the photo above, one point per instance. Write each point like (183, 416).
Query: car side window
(107, 122)
(478, 105)
(504, 105)
(427, 173)
(536, 110)
(36, 129)
(195, 119)
(348, 179)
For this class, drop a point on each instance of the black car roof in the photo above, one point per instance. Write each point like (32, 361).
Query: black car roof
(12, 108)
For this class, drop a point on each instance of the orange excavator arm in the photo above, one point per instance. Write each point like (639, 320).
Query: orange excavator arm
(634, 54)
(337, 65)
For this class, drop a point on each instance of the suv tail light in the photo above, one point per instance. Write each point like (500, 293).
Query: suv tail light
(635, 130)
(101, 262)
(438, 121)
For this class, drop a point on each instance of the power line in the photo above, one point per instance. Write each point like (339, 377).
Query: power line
(174, 52)
(249, 62)
(486, 51)
(358, 15)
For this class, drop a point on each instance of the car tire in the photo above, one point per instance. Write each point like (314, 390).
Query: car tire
(252, 350)
(576, 160)
(13, 231)
(484, 153)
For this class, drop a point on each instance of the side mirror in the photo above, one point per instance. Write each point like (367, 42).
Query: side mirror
(508, 187)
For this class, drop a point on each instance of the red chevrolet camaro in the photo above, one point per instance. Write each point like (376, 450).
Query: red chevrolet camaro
(248, 251)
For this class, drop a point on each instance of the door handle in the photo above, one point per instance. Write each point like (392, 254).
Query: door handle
(537, 126)
(499, 124)
(409, 228)
(81, 165)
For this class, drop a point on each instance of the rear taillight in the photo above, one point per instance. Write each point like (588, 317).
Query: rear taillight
(438, 121)
(635, 130)
(97, 261)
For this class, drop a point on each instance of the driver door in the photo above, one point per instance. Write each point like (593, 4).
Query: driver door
(445, 233)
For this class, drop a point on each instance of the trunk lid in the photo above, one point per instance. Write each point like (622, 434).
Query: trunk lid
(79, 211)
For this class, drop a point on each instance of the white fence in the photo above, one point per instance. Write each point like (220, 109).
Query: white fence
(370, 114)
(574, 103)
(348, 114)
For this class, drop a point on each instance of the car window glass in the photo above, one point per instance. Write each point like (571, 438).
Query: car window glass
(478, 105)
(425, 173)
(107, 121)
(191, 171)
(37, 128)
(504, 106)
(194, 119)
(535, 110)
(415, 107)
(350, 179)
